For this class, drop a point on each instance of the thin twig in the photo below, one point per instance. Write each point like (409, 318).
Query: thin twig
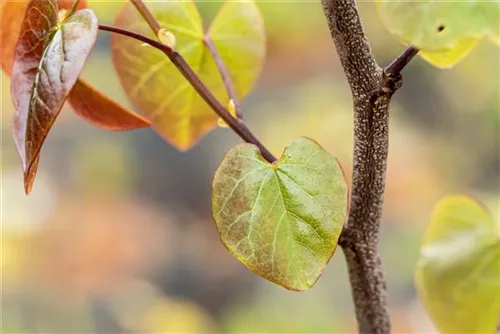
(74, 6)
(398, 64)
(147, 15)
(226, 77)
(195, 81)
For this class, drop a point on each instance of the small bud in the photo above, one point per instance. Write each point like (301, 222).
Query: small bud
(231, 107)
(221, 123)
(145, 45)
(167, 38)
(61, 15)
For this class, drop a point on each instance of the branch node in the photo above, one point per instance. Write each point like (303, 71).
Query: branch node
(390, 83)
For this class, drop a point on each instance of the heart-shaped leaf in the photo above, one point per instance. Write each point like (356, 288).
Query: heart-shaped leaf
(48, 59)
(282, 220)
(157, 88)
(445, 31)
(458, 273)
(86, 101)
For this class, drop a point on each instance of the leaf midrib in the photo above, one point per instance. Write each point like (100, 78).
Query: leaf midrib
(34, 94)
(294, 241)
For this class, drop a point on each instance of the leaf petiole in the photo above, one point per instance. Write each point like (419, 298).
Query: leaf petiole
(226, 78)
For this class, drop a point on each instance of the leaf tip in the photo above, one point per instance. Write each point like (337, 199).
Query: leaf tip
(62, 15)
(29, 176)
(28, 186)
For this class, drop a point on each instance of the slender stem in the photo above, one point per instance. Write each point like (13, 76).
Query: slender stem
(147, 15)
(195, 81)
(398, 64)
(73, 7)
(226, 77)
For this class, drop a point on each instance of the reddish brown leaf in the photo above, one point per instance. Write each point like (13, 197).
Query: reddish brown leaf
(12, 14)
(48, 59)
(97, 109)
(87, 102)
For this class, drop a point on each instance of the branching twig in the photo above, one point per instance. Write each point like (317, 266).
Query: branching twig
(181, 64)
(226, 78)
(236, 124)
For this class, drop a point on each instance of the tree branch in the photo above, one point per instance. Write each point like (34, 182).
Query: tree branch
(241, 129)
(371, 90)
(360, 66)
(226, 78)
(398, 64)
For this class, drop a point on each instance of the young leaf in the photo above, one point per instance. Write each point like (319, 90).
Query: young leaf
(86, 101)
(157, 88)
(12, 14)
(445, 31)
(97, 109)
(48, 59)
(281, 220)
(458, 273)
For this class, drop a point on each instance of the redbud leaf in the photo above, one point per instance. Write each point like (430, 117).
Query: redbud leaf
(281, 220)
(458, 273)
(87, 102)
(445, 31)
(99, 110)
(48, 59)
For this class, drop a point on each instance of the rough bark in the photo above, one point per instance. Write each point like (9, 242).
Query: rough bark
(372, 89)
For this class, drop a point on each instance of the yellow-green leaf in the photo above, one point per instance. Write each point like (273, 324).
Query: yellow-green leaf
(458, 273)
(160, 92)
(445, 31)
(281, 220)
(448, 58)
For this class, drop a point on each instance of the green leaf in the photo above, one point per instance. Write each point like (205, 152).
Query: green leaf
(160, 92)
(48, 59)
(448, 58)
(281, 220)
(458, 273)
(445, 31)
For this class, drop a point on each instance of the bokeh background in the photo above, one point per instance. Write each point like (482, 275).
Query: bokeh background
(117, 236)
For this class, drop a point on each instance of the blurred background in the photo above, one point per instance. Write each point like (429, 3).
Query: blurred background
(117, 236)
